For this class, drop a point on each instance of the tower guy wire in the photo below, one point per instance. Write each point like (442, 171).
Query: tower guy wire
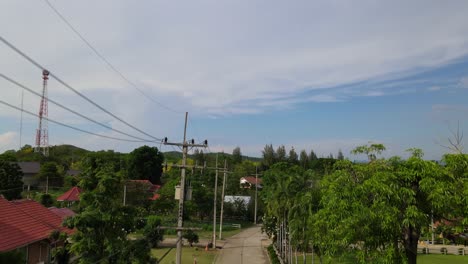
(106, 61)
(21, 53)
(68, 126)
(70, 110)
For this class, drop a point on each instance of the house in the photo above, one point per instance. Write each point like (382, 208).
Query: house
(62, 212)
(143, 186)
(71, 195)
(25, 226)
(74, 173)
(30, 169)
(249, 182)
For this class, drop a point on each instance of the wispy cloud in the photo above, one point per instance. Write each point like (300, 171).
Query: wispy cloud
(8, 140)
(464, 82)
(434, 88)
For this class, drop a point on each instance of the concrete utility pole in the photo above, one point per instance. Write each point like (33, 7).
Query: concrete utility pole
(222, 201)
(180, 215)
(256, 190)
(214, 203)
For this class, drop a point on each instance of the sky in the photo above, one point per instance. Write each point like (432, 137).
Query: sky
(313, 75)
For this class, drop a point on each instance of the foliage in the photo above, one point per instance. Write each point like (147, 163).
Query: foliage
(145, 163)
(102, 223)
(49, 171)
(236, 155)
(191, 237)
(281, 154)
(371, 150)
(272, 255)
(269, 156)
(14, 256)
(46, 200)
(152, 232)
(11, 183)
(379, 208)
(293, 158)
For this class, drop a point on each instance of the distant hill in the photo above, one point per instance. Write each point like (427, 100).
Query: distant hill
(172, 156)
(68, 154)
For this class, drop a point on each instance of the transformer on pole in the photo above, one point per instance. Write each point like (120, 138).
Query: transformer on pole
(42, 136)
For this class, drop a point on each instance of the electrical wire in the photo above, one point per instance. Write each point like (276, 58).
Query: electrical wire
(68, 109)
(13, 47)
(68, 126)
(112, 67)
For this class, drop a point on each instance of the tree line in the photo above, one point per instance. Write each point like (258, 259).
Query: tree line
(373, 212)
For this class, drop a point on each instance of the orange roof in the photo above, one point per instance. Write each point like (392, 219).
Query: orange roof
(41, 213)
(24, 222)
(62, 212)
(71, 195)
(155, 197)
(252, 180)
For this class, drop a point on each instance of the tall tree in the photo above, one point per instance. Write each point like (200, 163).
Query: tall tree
(268, 155)
(304, 159)
(340, 155)
(10, 180)
(103, 222)
(49, 174)
(312, 156)
(292, 158)
(371, 150)
(145, 163)
(236, 155)
(281, 154)
(383, 206)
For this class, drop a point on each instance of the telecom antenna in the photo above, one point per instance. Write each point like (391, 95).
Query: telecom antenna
(42, 136)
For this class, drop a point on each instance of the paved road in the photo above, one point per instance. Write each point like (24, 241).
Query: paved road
(247, 247)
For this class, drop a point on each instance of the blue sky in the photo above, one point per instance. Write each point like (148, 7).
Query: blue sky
(322, 75)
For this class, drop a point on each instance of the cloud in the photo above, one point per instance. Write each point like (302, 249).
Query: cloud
(464, 82)
(440, 108)
(215, 56)
(434, 88)
(8, 140)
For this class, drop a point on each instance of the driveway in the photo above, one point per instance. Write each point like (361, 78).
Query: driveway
(247, 247)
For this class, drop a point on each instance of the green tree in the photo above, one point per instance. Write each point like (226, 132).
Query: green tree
(11, 183)
(49, 172)
(293, 158)
(340, 155)
(191, 237)
(371, 151)
(281, 154)
(236, 155)
(304, 160)
(145, 163)
(382, 206)
(152, 231)
(269, 156)
(103, 223)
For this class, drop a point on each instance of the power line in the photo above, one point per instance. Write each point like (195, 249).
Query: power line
(100, 56)
(68, 109)
(13, 47)
(71, 127)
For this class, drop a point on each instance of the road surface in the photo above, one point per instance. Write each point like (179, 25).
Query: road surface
(247, 247)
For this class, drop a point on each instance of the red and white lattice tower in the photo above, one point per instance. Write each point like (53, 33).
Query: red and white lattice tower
(42, 136)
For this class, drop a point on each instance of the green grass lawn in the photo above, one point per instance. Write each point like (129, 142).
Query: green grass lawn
(188, 255)
(422, 259)
(442, 259)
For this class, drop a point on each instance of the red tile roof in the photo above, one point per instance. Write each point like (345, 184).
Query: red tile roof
(62, 212)
(40, 213)
(71, 195)
(151, 187)
(251, 180)
(155, 197)
(24, 222)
